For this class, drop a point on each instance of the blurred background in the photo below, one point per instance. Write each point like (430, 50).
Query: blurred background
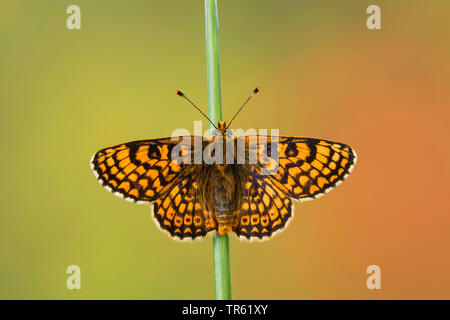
(64, 94)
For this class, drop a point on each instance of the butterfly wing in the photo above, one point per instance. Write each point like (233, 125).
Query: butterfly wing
(141, 171)
(265, 209)
(309, 168)
(180, 211)
(306, 169)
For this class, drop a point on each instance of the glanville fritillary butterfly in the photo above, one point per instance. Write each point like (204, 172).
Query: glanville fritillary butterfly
(190, 199)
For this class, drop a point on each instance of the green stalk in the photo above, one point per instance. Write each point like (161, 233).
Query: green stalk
(222, 274)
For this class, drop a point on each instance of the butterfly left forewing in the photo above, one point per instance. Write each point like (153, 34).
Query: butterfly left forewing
(139, 171)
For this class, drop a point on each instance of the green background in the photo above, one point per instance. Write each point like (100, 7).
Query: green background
(64, 94)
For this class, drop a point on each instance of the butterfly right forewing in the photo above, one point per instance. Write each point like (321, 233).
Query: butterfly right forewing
(306, 168)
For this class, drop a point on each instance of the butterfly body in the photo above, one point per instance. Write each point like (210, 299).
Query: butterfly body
(220, 196)
(220, 184)
(231, 194)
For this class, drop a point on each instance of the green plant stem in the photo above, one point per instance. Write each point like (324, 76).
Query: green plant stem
(222, 274)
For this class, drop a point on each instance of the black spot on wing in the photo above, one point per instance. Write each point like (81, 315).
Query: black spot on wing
(291, 150)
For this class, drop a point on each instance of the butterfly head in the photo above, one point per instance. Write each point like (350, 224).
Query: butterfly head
(222, 126)
(221, 131)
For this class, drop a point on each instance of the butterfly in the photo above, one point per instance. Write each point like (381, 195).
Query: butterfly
(190, 199)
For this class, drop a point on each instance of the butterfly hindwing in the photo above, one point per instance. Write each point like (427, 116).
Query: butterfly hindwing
(180, 211)
(264, 210)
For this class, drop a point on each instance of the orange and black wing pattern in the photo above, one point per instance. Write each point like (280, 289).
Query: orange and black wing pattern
(300, 168)
(180, 213)
(309, 168)
(265, 209)
(305, 169)
(138, 171)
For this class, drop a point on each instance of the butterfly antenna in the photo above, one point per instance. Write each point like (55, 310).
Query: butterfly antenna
(181, 94)
(243, 105)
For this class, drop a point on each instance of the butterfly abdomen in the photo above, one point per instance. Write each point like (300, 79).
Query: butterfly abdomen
(222, 190)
